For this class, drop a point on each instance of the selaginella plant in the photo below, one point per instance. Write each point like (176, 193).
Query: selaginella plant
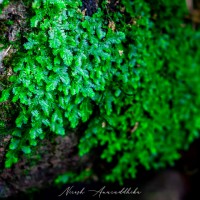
(61, 74)
(132, 76)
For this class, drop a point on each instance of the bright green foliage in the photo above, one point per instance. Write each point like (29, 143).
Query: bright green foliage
(3, 4)
(140, 82)
(71, 177)
(157, 93)
(63, 72)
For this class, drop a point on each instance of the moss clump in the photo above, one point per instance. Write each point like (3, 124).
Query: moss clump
(131, 76)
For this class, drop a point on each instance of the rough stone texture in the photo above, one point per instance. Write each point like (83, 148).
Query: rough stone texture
(15, 12)
(39, 170)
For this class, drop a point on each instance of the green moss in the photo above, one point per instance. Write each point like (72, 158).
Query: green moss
(136, 86)
(3, 4)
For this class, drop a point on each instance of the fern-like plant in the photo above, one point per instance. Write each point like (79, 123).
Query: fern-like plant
(136, 71)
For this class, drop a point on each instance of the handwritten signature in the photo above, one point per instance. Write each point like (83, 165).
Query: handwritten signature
(102, 191)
